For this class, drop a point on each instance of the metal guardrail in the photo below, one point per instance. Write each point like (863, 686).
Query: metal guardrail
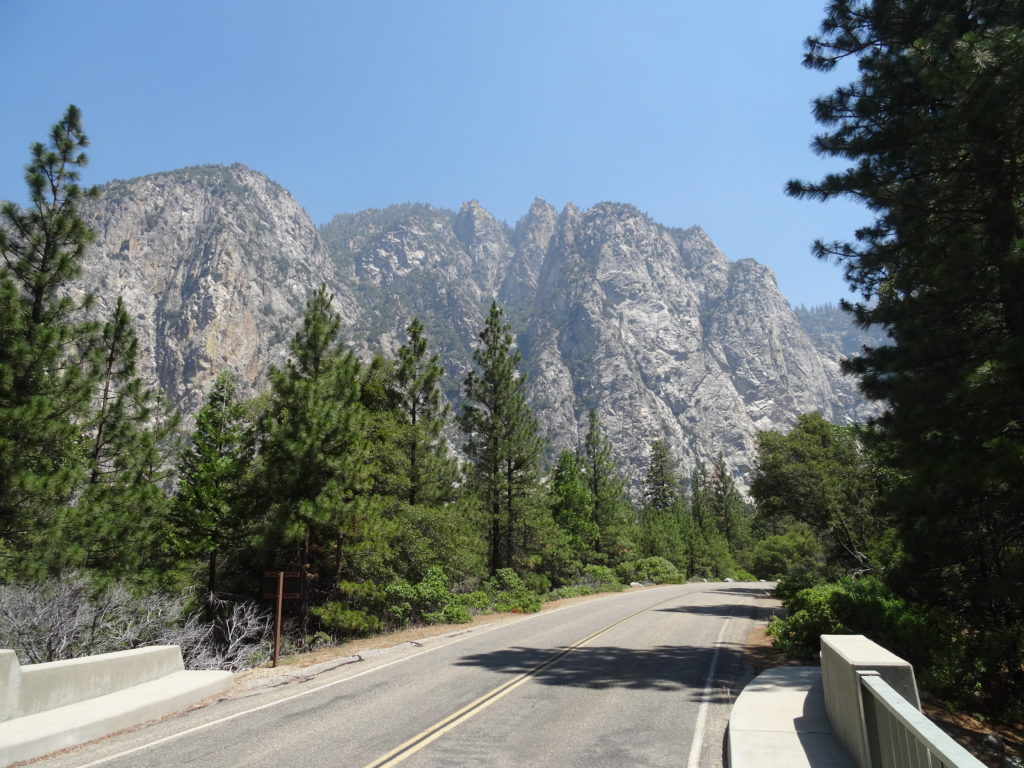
(899, 736)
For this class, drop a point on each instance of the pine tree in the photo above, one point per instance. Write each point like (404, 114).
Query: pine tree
(121, 513)
(435, 527)
(661, 483)
(209, 510)
(44, 395)
(663, 510)
(572, 506)
(502, 443)
(728, 507)
(611, 511)
(819, 474)
(314, 474)
(934, 130)
(421, 405)
(707, 551)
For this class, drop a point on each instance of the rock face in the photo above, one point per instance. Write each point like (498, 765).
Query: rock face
(650, 326)
(215, 265)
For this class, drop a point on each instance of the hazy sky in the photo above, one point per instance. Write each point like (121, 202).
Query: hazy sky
(696, 112)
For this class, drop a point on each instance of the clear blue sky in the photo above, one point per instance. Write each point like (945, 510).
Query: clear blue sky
(696, 112)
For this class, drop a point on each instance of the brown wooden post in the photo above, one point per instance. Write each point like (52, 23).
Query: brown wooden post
(277, 617)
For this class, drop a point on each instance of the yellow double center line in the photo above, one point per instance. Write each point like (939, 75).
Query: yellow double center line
(436, 731)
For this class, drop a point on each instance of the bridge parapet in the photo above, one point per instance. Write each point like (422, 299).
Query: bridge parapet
(872, 702)
(843, 658)
(861, 709)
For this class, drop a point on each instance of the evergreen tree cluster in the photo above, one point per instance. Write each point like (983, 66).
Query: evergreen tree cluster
(340, 471)
(929, 499)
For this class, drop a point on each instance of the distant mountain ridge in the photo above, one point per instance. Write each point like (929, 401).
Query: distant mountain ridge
(649, 325)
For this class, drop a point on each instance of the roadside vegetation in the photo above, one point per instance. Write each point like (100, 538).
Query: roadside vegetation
(917, 517)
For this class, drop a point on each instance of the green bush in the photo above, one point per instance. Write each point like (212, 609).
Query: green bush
(507, 593)
(797, 550)
(600, 578)
(474, 602)
(656, 570)
(792, 583)
(738, 574)
(536, 582)
(864, 606)
(343, 621)
(428, 602)
(451, 613)
(577, 590)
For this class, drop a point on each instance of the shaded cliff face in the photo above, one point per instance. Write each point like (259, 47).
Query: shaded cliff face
(652, 327)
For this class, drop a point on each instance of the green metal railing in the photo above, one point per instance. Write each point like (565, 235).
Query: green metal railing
(899, 736)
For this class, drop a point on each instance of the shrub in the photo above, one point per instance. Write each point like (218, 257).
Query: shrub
(343, 621)
(738, 574)
(507, 593)
(792, 583)
(536, 582)
(775, 557)
(656, 570)
(356, 614)
(864, 606)
(474, 602)
(600, 578)
(561, 593)
(428, 602)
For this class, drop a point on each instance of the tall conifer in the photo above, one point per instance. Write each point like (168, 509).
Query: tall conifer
(933, 129)
(417, 392)
(611, 510)
(663, 507)
(209, 510)
(121, 513)
(314, 470)
(502, 442)
(44, 396)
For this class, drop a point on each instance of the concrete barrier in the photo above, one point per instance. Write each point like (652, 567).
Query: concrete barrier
(52, 706)
(10, 685)
(58, 683)
(843, 658)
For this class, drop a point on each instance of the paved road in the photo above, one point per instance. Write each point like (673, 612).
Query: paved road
(645, 678)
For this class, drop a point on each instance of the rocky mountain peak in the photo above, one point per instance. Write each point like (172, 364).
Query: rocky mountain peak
(215, 262)
(653, 327)
(486, 242)
(530, 240)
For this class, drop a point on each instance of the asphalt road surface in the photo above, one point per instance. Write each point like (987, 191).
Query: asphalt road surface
(643, 678)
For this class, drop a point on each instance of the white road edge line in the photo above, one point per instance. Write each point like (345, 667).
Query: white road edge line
(268, 705)
(697, 745)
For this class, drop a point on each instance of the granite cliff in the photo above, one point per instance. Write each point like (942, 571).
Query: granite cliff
(651, 326)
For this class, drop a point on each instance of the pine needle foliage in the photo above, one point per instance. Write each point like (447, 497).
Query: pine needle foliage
(933, 129)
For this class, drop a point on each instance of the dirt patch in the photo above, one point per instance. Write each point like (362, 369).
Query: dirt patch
(971, 733)
(763, 655)
(968, 731)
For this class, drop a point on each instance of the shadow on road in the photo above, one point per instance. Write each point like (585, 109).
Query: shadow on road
(665, 668)
(757, 612)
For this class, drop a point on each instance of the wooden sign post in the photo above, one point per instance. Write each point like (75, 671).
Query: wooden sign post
(280, 586)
